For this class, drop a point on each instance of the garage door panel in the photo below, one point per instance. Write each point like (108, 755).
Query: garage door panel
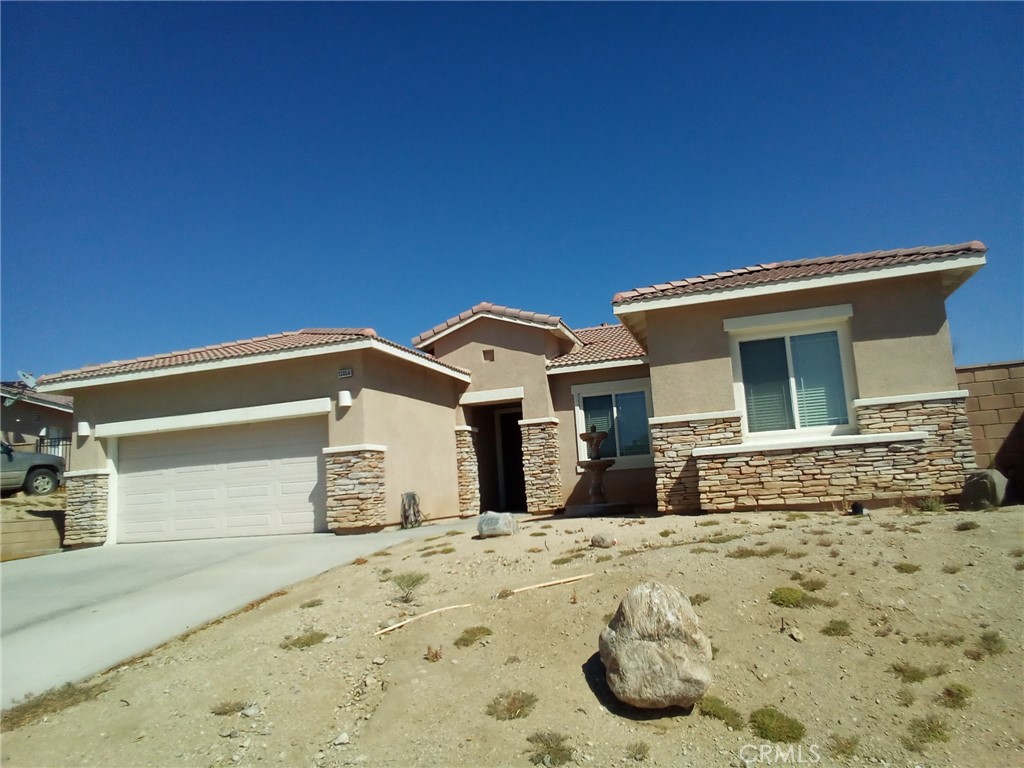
(246, 480)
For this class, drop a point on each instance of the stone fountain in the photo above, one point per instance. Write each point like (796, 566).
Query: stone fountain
(595, 468)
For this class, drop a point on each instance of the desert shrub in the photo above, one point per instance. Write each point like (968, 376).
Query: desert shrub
(1018, 552)
(699, 599)
(712, 706)
(539, 533)
(709, 522)
(723, 538)
(907, 567)
(407, 583)
(770, 724)
(966, 525)
(954, 696)
(924, 730)
(992, 643)
(307, 639)
(930, 504)
(837, 628)
(812, 584)
(638, 751)
(909, 673)
(843, 746)
(952, 568)
(511, 705)
(549, 748)
(472, 636)
(905, 697)
(312, 603)
(433, 654)
(947, 639)
(701, 550)
(665, 534)
(744, 552)
(794, 597)
(1019, 565)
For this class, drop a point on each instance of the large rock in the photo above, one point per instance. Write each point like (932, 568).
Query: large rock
(983, 490)
(496, 524)
(654, 651)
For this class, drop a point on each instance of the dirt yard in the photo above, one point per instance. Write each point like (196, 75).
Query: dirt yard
(927, 592)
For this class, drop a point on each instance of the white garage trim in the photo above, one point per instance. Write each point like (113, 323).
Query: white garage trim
(291, 410)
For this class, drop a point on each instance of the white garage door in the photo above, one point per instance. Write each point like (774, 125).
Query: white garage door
(245, 480)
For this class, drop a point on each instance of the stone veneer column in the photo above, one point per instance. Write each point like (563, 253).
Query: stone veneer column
(673, 439)
(540, 465)
(356, 497)
(86, 507)
(468, 468)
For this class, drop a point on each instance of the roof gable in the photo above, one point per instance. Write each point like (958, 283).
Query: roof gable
(600, 345)
(497, 312)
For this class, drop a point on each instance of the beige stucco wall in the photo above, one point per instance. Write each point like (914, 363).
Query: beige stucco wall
(520, 354)
(635, 486)
(412, 412)
(900, 338)
(238, 387)
(22, 421)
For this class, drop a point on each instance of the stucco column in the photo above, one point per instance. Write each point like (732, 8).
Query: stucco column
(356, 491)
(540, 465)
(673, 438)
(86, 508)
(468, 468)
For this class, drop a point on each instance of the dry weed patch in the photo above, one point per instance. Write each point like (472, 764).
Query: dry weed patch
(472, 636)
(907, 567)
(307, 639)
(954, 696)
(843, 746)
(511, 705)
(228, 708)
(638, 751)
(924, 730)
(50, 703)
(772, 725)
(966, 525)
(712, 706)
(837, 628)
(549, 748)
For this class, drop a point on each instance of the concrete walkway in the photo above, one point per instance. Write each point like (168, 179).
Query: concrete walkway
(70, 615)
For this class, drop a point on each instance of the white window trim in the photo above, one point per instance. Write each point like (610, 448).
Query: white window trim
(579, 391)
(794, 323)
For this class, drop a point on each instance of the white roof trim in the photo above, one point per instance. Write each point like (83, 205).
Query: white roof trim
(560, 330)
(269, 357)
(799, 284)
(833, 441)
(686, 418)
(486, 396)
(915, 398)
(205, 419)
(353, 448)
(791, 317)
(598, 366)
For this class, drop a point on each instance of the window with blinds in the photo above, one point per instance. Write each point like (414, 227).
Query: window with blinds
(793, 380)
(623, 415)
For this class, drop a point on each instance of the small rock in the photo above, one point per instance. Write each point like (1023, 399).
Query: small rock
(379, 660)
(252, 710)
(602, 540)
(496, 524)
(964, 587)
(227, 733)
(341, 739)
(796, 634)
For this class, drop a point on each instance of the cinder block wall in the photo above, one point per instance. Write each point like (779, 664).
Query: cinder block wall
(995, 411)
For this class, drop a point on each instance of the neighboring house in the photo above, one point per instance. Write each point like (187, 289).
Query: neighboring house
(33, 416)
(804, 383)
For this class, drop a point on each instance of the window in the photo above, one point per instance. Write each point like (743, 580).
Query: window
(795, 378)
(621, 409)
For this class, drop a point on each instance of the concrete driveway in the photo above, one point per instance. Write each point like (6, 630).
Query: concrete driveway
(70, 615)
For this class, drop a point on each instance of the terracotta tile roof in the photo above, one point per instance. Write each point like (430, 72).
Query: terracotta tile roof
(601, 344)
(260, 345)
(18, 389)
(485, 308)
(784, 271)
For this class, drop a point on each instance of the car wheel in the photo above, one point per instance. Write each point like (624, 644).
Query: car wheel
(40, 482)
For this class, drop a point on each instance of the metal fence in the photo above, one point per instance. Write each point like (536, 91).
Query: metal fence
(58, 445)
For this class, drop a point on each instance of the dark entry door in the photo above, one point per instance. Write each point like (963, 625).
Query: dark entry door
(510, 462)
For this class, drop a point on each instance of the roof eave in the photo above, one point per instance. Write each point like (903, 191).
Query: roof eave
(561, 330)
(960, 268)
(59, 386)
(597, 365)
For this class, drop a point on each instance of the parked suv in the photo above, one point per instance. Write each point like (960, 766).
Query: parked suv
(35, 473)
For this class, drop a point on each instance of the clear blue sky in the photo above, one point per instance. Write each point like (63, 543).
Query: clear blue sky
(175, 175)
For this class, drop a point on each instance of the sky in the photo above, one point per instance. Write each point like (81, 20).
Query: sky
(178, 175)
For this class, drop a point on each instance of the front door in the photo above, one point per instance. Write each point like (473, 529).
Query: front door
(511, 480)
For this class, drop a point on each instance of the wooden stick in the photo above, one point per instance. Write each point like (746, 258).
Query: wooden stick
(552, 583)
(415, 618)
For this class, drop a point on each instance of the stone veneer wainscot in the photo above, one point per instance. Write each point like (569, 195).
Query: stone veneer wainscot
(86, 507)
(468, 468)
(356, 492)
(908, 447)
(540, 465)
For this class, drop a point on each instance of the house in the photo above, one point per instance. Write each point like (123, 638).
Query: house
(32, 417)
(801, 383)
